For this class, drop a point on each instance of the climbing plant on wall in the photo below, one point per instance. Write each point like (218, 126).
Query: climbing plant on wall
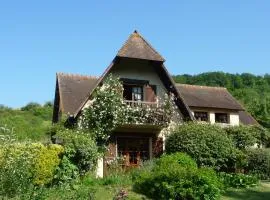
(107, 109)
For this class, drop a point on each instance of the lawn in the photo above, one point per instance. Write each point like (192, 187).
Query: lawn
(261, 192)
(101, 192)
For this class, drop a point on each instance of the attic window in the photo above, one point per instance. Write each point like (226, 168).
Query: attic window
(221, 118)
(201, 116)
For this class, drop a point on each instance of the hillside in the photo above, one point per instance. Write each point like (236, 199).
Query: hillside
(31, 121)
(251, 90)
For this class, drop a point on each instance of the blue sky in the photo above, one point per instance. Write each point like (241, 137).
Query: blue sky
(40, 38)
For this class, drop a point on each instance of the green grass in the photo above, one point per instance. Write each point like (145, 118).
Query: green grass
(98, 191)
(26, 125)
(89, 188)
(261, 192)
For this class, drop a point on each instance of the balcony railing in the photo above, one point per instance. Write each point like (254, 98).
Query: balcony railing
(143, 104)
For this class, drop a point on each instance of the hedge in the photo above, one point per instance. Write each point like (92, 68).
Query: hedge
(258, 162)
(207, 144)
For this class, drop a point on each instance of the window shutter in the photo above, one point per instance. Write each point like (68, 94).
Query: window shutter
(150, 93)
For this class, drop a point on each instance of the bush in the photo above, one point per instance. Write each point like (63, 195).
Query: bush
(259, 162)
(209, 145)
(80, 149)
(246, 136)
(15, 175)
(238, 180)
(66, 171)
(181, 159)
(46, 162)
(181, 179)
(24, 165)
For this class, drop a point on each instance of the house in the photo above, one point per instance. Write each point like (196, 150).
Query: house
(145, 80)
(214, 105)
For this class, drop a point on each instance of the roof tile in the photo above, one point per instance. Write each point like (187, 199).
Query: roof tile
(210, 97)
(73, 89)
(137, 47)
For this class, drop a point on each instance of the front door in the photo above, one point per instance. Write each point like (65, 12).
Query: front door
(133, 150)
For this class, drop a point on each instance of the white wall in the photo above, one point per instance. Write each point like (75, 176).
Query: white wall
(233, 116)
(234, 119)
(99, 172)
(211, 115)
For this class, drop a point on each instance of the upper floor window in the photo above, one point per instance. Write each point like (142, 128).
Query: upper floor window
(221, 118)
(137, 93)
(201, 116)
(138, 90)
(133, 92)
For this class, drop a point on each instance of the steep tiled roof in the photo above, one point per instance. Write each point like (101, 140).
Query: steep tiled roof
(137, 47)
(73, 90)
(209, 97)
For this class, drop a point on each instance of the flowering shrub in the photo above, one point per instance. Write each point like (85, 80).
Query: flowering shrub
(107, 110)
(24, 165)
(6, 135)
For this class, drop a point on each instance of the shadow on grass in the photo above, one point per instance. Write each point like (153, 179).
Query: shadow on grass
(261, 192)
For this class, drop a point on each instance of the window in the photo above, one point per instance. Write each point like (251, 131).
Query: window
(221, 118)
(137, 93)
(201, 116)
(133, 92)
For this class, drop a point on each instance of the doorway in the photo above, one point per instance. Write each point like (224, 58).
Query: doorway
(133, 150)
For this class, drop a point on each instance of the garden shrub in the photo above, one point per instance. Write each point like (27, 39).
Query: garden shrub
(246, 136)
(15, 174)
(66, 171)
(80, 149)
(25, 165)
(208, 144)
(45, 163)
(238, 180)
(259, 162)
(177, 158)
(170, 179)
